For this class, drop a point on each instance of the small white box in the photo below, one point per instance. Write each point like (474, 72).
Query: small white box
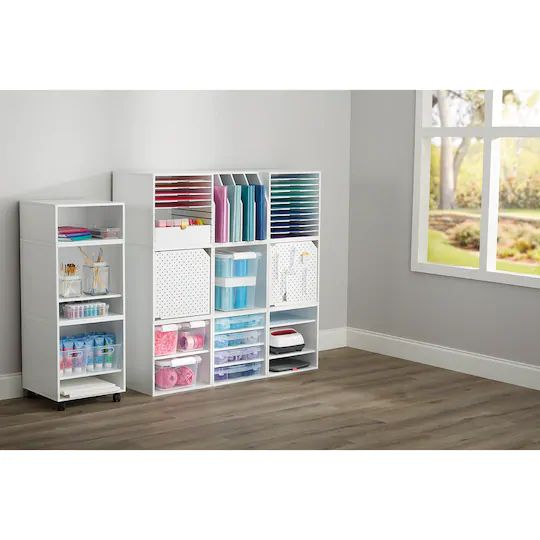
(178, 238)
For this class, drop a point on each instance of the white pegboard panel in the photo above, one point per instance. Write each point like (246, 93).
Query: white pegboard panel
(182, 283)
(293, 273)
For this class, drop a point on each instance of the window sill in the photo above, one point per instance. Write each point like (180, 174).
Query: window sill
(490, 276)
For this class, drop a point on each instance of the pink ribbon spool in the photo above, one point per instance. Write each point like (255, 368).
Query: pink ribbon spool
(191, 342)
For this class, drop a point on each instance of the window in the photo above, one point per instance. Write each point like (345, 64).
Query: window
(476, 207)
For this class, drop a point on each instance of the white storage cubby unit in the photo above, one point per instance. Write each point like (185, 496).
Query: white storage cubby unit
(93, 362)
(200, 311)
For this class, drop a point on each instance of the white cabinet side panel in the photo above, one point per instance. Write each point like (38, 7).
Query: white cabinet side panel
(40, 356)
(38, 222)
(39, 297)
(136, 190)
(139, 318)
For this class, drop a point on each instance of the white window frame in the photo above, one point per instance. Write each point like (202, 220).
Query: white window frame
(491, 133)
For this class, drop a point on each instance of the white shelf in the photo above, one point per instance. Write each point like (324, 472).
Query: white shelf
(244, 346)
(183, 207)
(90, 320)
(235, 312)
(94, 242)
(159, 322)
(294, 239)
(287, 355)
(236, 330)
(88, 387)
(181, 354)
(238, 363)
(290, 322)
(239, 379)
(291, 371)
(89, 374)
(240, 244)
(179, 389)
(289, 307)
(205, 246)
(86, 297)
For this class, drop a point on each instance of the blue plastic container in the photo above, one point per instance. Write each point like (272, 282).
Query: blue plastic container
(236, 279)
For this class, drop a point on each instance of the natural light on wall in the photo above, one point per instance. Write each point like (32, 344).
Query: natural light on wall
(477, 185)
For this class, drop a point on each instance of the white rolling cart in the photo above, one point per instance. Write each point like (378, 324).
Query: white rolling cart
(177, 320)
(93, 364)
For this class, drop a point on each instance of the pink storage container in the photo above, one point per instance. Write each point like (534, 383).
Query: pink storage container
(176, 372)
(165, 339)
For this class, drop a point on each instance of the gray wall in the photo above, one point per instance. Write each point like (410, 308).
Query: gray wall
(384, 295)
(65, 144)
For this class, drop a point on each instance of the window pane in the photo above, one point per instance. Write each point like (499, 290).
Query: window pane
(455, 201)
(520, 108)
(518, 239)
(457, 108)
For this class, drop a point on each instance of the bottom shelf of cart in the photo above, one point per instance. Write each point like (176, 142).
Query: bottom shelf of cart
(89, 387)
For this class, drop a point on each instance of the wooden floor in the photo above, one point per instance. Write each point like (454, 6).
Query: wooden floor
(357, 400)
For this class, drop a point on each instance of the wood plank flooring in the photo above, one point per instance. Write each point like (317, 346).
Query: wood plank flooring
(357, 400)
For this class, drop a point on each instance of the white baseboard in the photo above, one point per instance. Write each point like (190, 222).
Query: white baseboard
(488, 367)
(11, 386)
(332, 338)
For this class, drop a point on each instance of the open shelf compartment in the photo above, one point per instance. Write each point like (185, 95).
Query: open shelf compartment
(183, 211)
(303, 321)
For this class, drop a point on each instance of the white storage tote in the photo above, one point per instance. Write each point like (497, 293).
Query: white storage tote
(182, 283)
(293, 273)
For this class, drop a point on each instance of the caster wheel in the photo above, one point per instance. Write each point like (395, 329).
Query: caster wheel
(60, 407)
(116, 398)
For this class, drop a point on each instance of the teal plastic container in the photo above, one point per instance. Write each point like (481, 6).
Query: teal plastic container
(236, 279)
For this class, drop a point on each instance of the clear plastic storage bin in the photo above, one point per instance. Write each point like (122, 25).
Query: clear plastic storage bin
(238, 355)
(81, 310)
(227, 373)
(240, 322)
(165, 339)
(176, 372)
(237, 339)
(236, 279)
(192, 336)
(89, 359)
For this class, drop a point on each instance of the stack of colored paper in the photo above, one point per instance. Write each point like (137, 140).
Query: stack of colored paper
(73, 234)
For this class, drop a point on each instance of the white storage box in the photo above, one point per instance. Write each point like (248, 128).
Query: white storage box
(294, 274)
(182, 283)
(178, 238)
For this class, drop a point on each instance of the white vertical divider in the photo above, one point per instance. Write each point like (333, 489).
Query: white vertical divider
(490, 191)
(422, 153)
(212, 325)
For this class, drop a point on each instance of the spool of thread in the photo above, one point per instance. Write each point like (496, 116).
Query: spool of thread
(189, 342)
(184, 375)
(166, 378)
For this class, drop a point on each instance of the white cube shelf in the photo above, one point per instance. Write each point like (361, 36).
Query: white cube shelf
(171, 271)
